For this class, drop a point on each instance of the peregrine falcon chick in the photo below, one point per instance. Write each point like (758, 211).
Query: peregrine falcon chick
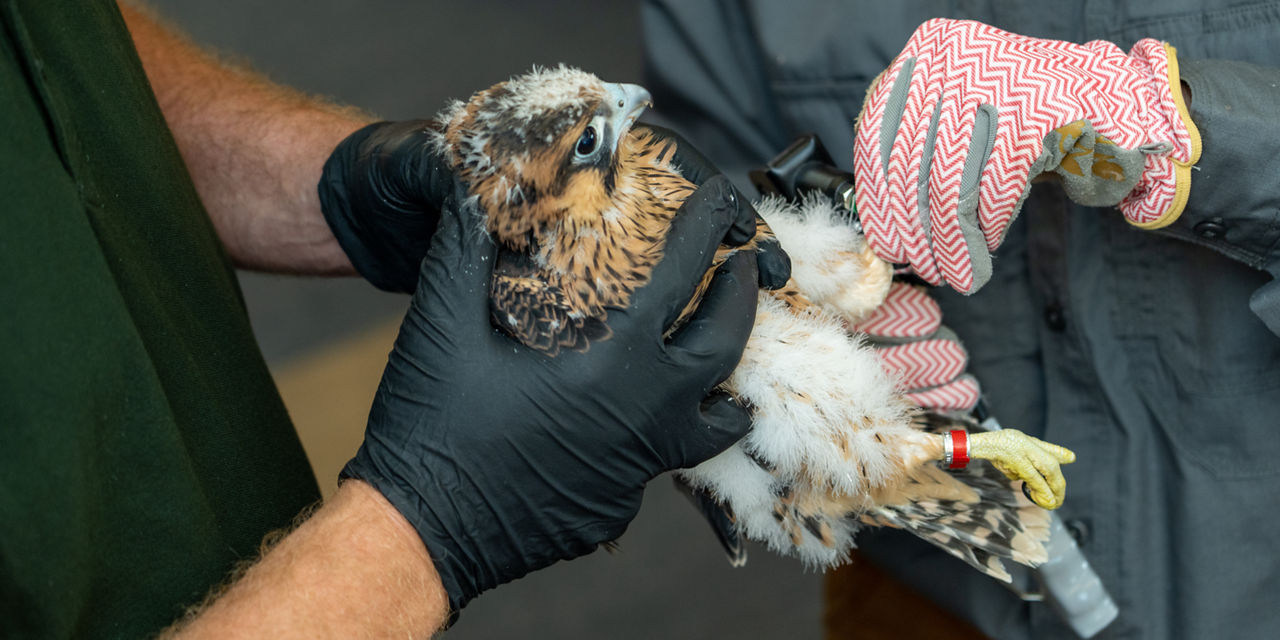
(580, 204)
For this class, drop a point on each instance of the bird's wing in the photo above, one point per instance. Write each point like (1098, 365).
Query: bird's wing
(537, 312)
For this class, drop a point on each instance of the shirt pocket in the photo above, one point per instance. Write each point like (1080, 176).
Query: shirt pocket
(1207, 367)
(1228, 425)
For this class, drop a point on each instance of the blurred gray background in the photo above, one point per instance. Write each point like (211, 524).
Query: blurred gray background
(404, 59)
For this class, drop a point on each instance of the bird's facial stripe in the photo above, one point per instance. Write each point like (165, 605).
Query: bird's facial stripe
(609, 181)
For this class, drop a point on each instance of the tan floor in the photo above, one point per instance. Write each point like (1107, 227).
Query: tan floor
(328, 393)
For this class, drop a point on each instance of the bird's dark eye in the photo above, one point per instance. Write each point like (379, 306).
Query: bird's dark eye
(587, 143)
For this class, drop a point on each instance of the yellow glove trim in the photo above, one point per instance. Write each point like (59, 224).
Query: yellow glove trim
(1181, 170)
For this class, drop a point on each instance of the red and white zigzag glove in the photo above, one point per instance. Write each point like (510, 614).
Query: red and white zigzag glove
(913, 346)
(954, 130)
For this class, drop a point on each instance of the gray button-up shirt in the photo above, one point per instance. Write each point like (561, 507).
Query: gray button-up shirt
(1154, 355)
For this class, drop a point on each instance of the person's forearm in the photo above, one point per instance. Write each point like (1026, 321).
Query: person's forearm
(254, 151)
(355, 569)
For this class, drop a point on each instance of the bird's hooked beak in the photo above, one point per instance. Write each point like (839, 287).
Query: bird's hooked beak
(629, 101)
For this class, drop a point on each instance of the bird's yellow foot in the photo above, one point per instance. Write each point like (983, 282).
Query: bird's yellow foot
(1022, 457)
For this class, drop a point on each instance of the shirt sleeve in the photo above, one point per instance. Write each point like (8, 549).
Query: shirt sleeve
(1234, 204)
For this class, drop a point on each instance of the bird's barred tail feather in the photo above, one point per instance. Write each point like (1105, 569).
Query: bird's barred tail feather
(995, 522)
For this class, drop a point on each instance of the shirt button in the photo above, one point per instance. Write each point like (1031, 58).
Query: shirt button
(1211, 228)
(1079, 530)
(1054, 317)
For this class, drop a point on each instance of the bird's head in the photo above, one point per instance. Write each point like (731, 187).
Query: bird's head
(542, 149)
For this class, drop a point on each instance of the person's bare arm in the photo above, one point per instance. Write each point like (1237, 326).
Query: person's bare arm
(355, 569)
(254, 150)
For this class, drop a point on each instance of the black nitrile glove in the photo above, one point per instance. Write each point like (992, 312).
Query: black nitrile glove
(380, 192)
(773, 263)
(506, 460)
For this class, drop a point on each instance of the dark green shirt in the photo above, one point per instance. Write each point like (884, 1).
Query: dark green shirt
(1153, 355)
(144, 449)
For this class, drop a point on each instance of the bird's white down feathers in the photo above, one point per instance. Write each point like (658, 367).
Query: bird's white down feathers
(826, 418)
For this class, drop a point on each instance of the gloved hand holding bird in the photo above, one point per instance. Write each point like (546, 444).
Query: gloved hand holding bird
(580, 202)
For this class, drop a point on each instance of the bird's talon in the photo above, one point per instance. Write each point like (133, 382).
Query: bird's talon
(1021, 457)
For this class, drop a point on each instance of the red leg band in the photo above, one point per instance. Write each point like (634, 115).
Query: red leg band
(959, 448)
